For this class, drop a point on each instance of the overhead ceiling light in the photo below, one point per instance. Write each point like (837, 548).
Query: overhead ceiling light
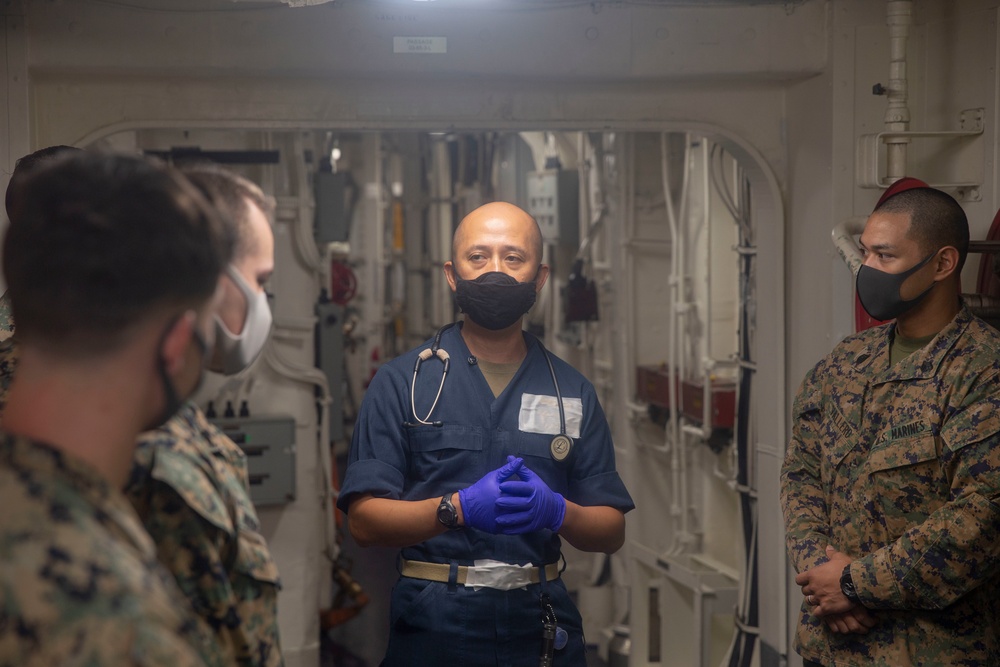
(305, 3)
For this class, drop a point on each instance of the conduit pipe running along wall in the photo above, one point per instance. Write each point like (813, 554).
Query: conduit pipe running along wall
(718, 177)
(742, 651)
(302, 230)
(397, 267)
(618, 169)
(592, 222)
(440, 231)
(707, 362)
(899, 17)
(313, 377)
(676, 334)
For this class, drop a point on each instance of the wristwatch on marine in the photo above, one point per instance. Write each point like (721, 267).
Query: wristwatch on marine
(447, 514)
(847, 586)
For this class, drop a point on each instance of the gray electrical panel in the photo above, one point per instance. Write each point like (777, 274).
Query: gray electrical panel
(554, 202)
(269, 443)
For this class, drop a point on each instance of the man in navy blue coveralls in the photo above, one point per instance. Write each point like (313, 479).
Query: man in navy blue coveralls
(472, 486)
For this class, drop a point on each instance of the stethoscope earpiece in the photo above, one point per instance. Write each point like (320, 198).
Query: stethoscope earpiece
(421, 358)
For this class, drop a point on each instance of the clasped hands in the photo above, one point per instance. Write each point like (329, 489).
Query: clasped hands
(512, 500)
(821, 589)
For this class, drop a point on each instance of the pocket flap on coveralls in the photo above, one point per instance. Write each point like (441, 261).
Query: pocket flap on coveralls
(448, 436)
(193, 485)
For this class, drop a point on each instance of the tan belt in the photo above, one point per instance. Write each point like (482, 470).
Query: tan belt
(441, 572)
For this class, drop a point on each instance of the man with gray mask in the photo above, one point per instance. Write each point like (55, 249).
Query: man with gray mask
(477, 455)
(111, 339)
(891, 482)
(189, 483)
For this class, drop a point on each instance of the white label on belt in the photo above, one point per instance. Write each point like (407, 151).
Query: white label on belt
(496, 574)
(540, 414)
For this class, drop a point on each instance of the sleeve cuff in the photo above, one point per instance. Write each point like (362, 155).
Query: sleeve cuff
(605, 489)
(370, 476)
(875, 583)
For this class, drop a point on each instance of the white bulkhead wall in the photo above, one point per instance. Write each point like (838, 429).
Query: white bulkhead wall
(786, 87)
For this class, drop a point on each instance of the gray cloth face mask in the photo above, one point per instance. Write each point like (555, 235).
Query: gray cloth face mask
(879, 291)
(238, 351)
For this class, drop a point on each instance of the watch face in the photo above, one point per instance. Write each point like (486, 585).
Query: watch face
(847, 586)
(446, 513)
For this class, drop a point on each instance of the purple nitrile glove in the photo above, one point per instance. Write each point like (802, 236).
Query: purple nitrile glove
(478, 501)
(529, 505)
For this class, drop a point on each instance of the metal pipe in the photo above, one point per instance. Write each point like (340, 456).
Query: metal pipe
(673, 281)
(675, 351)
(707, 364)
(685, 308)
(843, 238)
(312, 376)
(626, 157)
(440, 232)
(302, 229)
(899, 17)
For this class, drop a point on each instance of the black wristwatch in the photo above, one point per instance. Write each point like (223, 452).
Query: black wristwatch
(447, 514)
(847, 586)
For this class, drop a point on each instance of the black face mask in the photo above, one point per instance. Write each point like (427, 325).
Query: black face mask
(879, 291)
(494, 300)
(172, 400)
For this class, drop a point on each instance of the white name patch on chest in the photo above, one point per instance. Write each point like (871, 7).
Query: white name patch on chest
(540, 414)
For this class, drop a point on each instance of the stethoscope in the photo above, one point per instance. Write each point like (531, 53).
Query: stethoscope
(559, 446)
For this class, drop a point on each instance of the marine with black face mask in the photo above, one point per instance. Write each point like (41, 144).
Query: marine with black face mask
(891, 482)
(470, 485)
(112, 337)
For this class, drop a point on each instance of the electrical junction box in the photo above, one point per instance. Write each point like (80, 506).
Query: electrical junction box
(269, 443)
(554, 202)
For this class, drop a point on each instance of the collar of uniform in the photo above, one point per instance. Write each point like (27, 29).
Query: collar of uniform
(189, 430)
(924, 363)
(199, 421)
(455, 333)
(874, 351)
(185, 419)
(51, 466)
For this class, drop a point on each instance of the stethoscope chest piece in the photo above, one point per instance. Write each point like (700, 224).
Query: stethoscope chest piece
(559, 447)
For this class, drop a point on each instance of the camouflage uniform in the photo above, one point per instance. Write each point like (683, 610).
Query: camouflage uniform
(190, 487)
(8, 362)
(899, 468)
(8, 349)
(6, 318)
(79, 579)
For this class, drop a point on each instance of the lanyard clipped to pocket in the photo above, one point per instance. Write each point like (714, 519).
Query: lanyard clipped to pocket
(553, 637)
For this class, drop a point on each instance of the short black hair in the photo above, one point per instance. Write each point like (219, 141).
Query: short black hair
(936, 220)
(104, 241)
(27, 165)
(231, 194)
